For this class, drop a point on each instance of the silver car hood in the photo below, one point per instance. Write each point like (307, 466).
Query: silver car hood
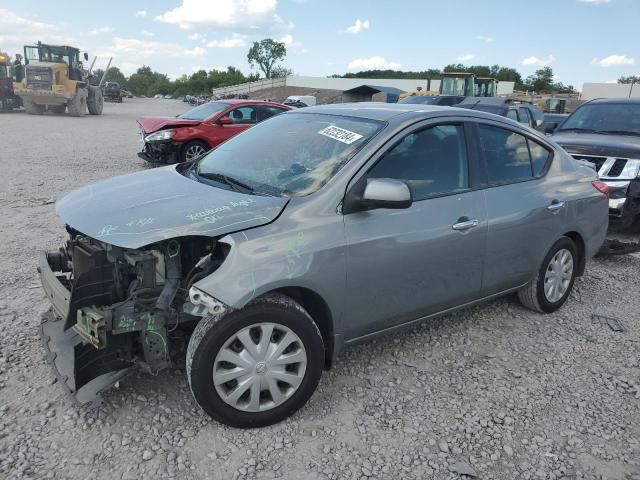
(142, 208)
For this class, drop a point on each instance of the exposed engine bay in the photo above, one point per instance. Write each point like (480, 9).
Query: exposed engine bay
(114, 308)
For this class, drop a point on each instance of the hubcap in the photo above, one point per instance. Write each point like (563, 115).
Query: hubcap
(558, 275)
(259, 367)
(193, 151)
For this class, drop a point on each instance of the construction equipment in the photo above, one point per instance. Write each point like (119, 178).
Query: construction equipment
(8, 99)
(468, 85)
(56, 80)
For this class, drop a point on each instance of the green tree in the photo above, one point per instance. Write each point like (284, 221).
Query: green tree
(541, 81)
(629, 79)
(266, 54)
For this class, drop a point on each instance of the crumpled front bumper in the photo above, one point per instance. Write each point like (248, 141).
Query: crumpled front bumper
(160, 152)
(84, 371)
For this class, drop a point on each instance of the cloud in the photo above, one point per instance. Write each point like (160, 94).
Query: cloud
(135, 50)
(292, 44)
(229, 14)
(595, 2)
(539, 62)
(372, 63)
(614, 61)
(100, 30)
(359, 26)
(195, 36)
(484, 39)
(234, 41)
(466, 57)
(611, 81)
(141, 13)
(16, 31)
(147, 33)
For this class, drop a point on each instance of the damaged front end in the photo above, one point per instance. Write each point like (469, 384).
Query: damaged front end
(114, 308)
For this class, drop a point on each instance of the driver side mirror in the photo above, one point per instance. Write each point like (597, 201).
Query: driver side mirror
(86, 56)
(226, 120)
(379, 193)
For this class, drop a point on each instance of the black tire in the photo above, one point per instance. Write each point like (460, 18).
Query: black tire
(533, 295)
(32, 108)
(210, 336)
(95, 100)
(188, 147)
(77, 106)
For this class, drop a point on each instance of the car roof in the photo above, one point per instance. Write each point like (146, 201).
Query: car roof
(393, 111)
(633, 101)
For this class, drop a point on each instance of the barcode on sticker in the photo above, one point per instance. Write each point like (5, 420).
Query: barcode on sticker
(340, 134)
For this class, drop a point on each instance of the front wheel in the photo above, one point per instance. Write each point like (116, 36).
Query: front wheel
(255, 366)
(553, 283)
(192, 150)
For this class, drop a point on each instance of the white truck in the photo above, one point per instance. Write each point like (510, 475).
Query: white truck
(299, 101)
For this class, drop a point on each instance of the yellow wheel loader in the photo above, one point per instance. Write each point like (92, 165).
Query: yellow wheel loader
(55, 79)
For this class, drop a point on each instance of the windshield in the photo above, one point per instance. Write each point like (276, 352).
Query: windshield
(293, 154)
(420, 99)
(204, 111)
(606, 117)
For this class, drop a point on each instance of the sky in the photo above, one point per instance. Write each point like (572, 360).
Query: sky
(582, 40)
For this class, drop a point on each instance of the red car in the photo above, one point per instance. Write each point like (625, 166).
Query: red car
(183, 138)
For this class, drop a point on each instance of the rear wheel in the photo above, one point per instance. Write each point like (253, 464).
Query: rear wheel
(554, 281)
(255, 366)
(32, 108)
(95, 101)
(192, 150)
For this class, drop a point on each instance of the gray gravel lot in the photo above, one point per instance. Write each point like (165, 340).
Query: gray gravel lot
(496, 389)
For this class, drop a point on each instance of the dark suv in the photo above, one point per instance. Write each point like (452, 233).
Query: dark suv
(522, 112)
(606, 133)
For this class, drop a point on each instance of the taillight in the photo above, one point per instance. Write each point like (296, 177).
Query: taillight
(601, 187)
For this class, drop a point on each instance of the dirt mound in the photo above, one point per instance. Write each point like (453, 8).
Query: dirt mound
(278, 94)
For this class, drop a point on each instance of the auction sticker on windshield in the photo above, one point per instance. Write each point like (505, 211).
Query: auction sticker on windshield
(341, 134)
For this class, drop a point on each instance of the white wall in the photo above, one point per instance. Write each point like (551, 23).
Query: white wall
(609, 90)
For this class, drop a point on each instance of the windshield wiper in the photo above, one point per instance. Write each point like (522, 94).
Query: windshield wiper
(227, 180)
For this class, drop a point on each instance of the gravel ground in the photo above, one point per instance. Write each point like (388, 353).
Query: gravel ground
(496, 390)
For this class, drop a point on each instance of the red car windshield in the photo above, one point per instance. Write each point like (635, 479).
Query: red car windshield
(204, 111)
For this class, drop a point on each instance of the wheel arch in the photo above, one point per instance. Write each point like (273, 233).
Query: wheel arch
(320, 312)
(580, 245)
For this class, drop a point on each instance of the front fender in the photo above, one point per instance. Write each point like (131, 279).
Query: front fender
(273, 257)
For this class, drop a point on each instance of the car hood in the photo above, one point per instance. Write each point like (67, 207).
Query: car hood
(153, 124)
(602, 145)
(135, 210)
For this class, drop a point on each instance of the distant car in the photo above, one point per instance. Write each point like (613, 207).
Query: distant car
(183, 138)
(606, 133)
(112, 92)
(318, 229)
(444, 100)
(522, 112)
(168, 97)
(300, 101)
(157, 95)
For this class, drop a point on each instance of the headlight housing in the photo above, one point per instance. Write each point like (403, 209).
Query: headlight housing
(160, 135)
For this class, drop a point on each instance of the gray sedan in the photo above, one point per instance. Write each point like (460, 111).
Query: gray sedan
(317, 229)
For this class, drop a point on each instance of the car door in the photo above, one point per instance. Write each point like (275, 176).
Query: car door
(525, 206)
(405, 264)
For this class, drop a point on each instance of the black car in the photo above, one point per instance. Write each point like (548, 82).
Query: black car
(444, 100)
(606, 133)
(522, 112)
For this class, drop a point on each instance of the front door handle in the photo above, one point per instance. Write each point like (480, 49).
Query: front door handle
(555, 206)
(465, 223)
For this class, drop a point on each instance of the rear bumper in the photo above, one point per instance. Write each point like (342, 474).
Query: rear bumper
(83, 371)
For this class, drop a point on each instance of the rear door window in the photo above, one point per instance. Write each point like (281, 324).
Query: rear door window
(266, 112)
(512, 113)
(506, 154)
(524, 116)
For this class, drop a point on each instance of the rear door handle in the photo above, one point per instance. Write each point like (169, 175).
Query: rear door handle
(465, 224)
(555, 205)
